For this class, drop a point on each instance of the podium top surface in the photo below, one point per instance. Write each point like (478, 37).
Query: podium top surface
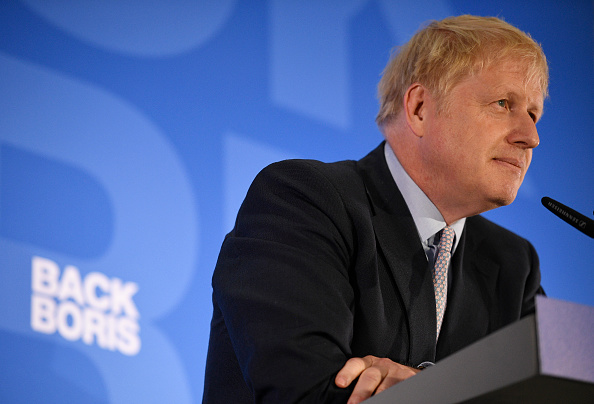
(547, 357)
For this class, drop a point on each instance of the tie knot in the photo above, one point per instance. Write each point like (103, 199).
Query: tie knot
(446, 241)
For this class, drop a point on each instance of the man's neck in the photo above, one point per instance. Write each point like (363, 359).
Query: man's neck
(428, 219)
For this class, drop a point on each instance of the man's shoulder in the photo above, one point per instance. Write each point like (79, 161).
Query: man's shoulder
(313, 180)
(343, 174)
(493, 233)
(334, 170)
(311, 163)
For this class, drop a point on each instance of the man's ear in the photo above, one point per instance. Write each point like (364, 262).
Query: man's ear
(415, 108)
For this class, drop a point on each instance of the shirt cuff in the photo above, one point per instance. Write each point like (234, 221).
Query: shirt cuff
(424, 365)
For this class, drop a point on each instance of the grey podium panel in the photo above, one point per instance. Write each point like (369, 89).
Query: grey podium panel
(547, 357)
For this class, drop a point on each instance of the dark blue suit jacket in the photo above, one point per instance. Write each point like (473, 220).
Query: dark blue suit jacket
(325, 263)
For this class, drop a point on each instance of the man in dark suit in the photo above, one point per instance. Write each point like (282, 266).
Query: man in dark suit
(332, 286)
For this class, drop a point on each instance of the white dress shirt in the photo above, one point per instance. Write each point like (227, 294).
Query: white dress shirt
(426, 216)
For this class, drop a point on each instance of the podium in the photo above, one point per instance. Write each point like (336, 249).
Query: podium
(547, 357)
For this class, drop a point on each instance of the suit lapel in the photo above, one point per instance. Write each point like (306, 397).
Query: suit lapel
(470, 312)
(398, 240)
(471, 308)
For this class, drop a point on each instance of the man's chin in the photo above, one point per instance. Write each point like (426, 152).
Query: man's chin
(504, 199)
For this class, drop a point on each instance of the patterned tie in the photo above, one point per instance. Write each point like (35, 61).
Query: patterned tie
(440, 273)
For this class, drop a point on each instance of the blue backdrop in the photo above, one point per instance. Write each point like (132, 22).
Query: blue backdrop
(130, 131)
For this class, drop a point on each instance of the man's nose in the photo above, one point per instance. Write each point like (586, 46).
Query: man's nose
(524, 134)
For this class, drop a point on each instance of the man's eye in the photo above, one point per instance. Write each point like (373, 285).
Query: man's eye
(502, 103)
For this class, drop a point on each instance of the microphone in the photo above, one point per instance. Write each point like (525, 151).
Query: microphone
(576, 219)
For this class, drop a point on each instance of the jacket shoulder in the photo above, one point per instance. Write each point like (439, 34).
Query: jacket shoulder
(495, 240)
(313, 177)
(490, 229)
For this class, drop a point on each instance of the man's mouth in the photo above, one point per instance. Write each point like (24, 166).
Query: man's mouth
(511, 161)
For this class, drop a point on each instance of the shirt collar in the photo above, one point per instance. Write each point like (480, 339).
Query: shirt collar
(425, 214)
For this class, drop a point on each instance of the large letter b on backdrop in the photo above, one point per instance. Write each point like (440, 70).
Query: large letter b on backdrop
(120, 245)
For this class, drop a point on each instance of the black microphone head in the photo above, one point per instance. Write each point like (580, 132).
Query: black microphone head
(574, 218)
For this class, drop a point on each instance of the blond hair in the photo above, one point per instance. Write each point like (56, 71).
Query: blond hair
(444, 52)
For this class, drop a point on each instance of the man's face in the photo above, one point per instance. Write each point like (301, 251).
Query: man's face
(480, 146)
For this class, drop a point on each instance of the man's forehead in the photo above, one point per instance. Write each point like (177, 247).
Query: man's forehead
(514, 76)
(523, 70)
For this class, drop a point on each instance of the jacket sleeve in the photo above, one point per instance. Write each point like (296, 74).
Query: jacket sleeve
(282, 284)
